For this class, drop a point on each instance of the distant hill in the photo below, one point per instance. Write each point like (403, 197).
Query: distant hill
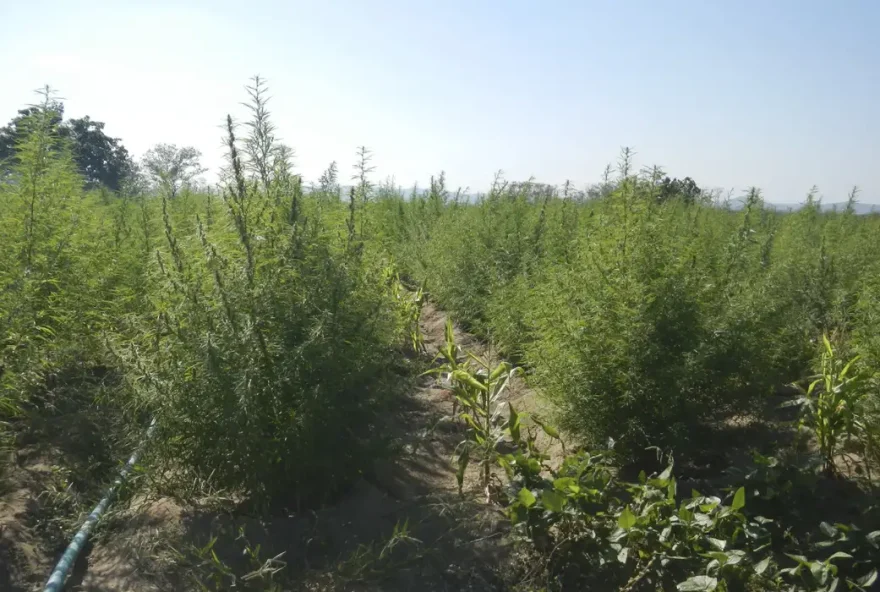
(735, 204)
(860, 208)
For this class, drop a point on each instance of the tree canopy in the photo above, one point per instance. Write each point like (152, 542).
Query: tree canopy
(171, 168)
(101, 160)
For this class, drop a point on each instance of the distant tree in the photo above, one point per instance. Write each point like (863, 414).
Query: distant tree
(171, 168)
(328, 183)
(14, 131)
(362, 174)
(686, 189)
(101, 159)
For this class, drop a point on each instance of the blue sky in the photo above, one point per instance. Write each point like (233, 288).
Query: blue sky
(777, 94)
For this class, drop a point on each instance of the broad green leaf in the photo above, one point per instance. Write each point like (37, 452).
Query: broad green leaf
(623, 555)
(552, 500)
(518, 514)
(739, 499)
(565, 484)
(698, 584)
(719, 556)
(627, 519)
(828, 530)
(838, 555)
(526, 497)
(868, 579)
(717, 543)
(800, 559)
(684, 514)
(819, 572)
(762, 565)
(734, 556)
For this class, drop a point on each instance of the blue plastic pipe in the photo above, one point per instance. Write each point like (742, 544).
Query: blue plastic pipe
(67, 561)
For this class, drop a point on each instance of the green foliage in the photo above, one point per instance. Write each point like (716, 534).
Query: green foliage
(262, 343)
(258, 325)
(831, 404)
(646, 310)
(478, 388)
(590, 528)
(409, 306)
(100, 159)
(170, 169)
(208, 572)
(254, 333)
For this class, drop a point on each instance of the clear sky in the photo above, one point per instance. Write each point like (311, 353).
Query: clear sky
(777, 94)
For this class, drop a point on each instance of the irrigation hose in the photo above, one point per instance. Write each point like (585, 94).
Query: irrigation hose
(67, 561)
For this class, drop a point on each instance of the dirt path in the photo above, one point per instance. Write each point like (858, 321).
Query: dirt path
(444, 541)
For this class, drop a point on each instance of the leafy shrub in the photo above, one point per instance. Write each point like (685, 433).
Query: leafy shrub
(643, 311)
(264, 344)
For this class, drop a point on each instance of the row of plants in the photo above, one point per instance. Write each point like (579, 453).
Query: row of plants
(645, 307)
(255, 323)
(581, 525)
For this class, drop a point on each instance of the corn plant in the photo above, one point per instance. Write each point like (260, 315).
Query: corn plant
(410, 306)
(478, 388)
(830, 404)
